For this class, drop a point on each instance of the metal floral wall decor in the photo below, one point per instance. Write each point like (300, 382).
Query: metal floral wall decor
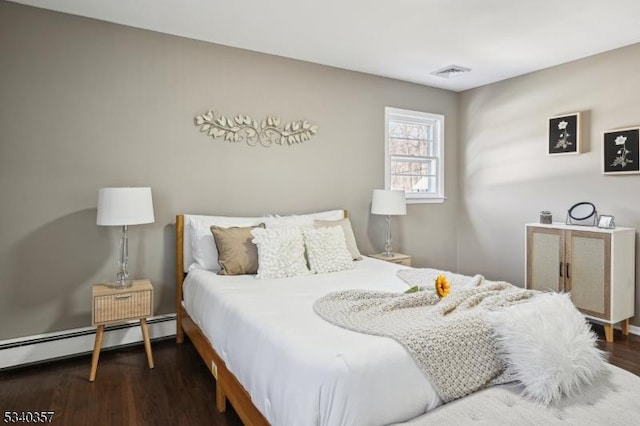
(564, 134)
(621, 151)
(243, 128)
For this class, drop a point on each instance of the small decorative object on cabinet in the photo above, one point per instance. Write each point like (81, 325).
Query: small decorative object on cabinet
(398, 258)
(546, 217)
(596, 266)
(606, 221)
(582, 213)
(111, 305)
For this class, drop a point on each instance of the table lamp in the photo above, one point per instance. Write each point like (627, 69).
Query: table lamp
(389, 203)
(124, 207)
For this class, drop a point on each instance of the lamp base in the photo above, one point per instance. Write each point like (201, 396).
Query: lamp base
(388, 254)
(120, 284)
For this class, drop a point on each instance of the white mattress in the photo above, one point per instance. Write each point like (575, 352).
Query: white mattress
(298, 368)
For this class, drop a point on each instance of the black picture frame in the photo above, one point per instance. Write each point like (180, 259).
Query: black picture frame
(621, 151)
(565, 134)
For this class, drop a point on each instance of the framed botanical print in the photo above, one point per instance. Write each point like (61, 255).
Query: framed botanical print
(564, 134)
(621, 151)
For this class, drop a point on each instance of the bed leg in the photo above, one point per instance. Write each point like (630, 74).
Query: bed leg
(179, 335)
(221, 399)
(625, 327)
(179, 329)
(608, 332)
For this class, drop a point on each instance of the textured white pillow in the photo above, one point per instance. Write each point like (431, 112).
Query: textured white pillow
(203, 246)
(549, 346)
(350, 239)
(327, 249)
(280, 252)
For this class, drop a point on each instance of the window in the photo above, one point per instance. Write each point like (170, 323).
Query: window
(414, 154)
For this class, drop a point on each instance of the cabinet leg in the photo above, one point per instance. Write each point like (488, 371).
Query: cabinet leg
(608, 332)
(97, 344)
(147, 342)
(625, 327)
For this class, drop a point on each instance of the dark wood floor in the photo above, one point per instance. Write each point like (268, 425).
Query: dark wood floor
(179, 391)
(624, 352)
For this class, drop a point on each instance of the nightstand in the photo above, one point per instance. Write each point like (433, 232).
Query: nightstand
(399, 258)
(112, 305)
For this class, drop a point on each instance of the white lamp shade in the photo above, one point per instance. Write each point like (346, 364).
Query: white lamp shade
(388, 202)
(124, 206)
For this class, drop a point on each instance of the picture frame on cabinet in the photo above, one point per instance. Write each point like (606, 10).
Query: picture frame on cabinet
(606, 222)
(621, 151)
(565, 134)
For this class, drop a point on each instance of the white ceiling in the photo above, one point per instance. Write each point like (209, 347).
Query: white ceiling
(402, 39)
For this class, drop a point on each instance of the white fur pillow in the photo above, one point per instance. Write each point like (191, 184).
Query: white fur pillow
(549, 346)
(280, 252)
(327, 249)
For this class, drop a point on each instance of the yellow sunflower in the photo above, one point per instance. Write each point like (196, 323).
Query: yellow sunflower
(442, 286)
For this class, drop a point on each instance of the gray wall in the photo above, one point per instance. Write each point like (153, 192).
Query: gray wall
(88, 104)
(506, 178)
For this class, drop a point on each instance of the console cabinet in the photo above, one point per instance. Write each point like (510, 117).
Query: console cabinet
(597, 266)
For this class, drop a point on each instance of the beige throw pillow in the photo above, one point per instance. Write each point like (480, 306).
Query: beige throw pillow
(237, 255)
(350, 239)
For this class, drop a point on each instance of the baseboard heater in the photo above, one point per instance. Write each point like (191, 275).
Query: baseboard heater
(62, 344)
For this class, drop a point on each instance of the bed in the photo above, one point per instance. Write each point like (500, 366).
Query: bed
(277, 362)
(329, 385)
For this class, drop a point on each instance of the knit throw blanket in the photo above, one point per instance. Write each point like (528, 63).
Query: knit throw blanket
(448, 338)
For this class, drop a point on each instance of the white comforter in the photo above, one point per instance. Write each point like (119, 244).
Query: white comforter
(298, 368)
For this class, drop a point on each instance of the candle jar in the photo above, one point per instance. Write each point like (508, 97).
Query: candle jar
(545, 217)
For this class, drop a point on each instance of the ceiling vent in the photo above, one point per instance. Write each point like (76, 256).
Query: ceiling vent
(451, 71)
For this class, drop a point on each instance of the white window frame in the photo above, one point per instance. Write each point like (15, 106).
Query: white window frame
(436, 120)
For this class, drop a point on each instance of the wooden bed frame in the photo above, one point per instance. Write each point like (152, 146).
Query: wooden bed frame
(227, 386)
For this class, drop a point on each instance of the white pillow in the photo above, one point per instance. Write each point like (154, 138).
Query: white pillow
(350, 239)
(203, 247)
(549, 346)
(280, 252)
(327, 249)
(302, 220)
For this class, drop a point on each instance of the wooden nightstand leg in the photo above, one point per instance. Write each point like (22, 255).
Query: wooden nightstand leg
(625, 327)
(147, 342)
(97, 344)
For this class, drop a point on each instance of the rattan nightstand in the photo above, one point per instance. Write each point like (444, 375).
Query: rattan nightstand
(112, 305)
(399, 258)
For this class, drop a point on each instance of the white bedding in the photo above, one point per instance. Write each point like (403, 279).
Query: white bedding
(298, 368)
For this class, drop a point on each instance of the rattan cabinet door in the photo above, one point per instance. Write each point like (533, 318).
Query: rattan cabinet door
(588, 272)
(545, 257)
